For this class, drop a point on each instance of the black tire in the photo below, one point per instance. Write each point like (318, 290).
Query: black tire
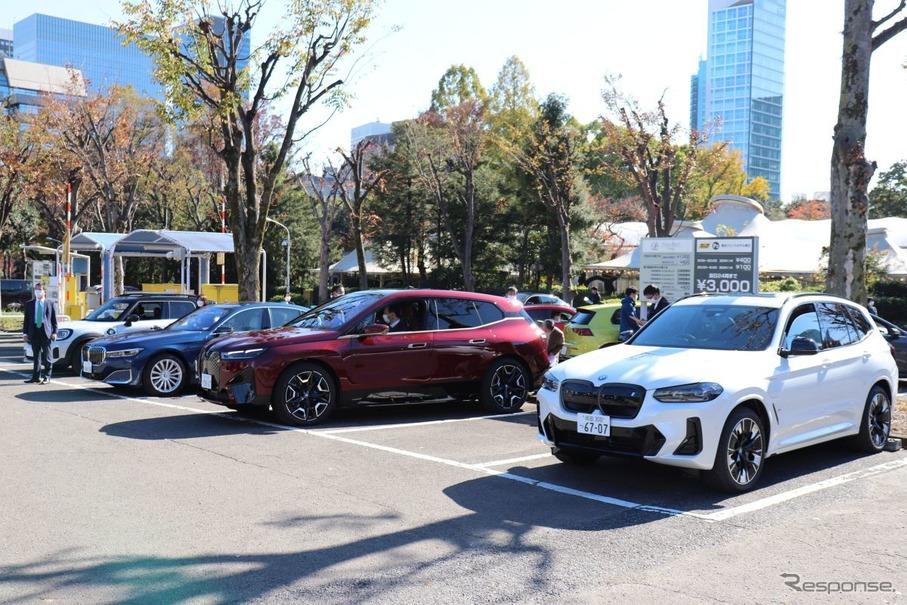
(575, 457)
(74, 356)
(741, 453)
(306, 394)
(876, 424)
(505, 386)
(164, 376)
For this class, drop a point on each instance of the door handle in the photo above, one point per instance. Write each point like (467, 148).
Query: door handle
(477, 341)
(417, 345)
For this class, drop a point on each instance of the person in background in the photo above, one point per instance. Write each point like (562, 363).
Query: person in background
(288, 298)
(653, 297)
(594, 296)
(511, 294)
(39, 327)
(871, 306)
(555, 341)
(337, 291)
(203, 301)
(629, 322)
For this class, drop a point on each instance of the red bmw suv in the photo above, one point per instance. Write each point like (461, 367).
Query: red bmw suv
(380, 346)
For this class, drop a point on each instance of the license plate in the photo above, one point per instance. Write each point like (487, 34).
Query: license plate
(206, 381)
(86, 367)
(593, 424)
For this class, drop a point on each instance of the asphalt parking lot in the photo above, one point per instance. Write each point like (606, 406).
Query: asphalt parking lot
(110, 496)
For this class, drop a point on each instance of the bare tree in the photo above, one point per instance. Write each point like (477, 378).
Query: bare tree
(851, 171)
(358, 180)
(326, 201)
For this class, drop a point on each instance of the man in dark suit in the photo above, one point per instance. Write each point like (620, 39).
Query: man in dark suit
(40, 329)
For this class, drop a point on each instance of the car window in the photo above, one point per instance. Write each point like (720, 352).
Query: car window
(112, 310)
(804, 323)
(148, 310)
(248, 319)
(412, 315)
(711, 326)
(489, 312)
(335, 313)
(583, 317)
(860, 322)
(201, 319)
(281, 315)
(457, 313)
(180, 308)
(836, 327)
(538, 314)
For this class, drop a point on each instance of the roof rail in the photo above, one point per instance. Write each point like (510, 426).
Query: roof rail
(161, 294)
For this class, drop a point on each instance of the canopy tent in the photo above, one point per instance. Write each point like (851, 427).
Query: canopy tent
(350, 264)
(94, 241)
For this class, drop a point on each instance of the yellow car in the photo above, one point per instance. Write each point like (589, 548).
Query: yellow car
(592, 327)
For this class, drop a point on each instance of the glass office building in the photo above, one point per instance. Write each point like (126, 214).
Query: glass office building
(6, 43)
(739, 88)
(96, 50)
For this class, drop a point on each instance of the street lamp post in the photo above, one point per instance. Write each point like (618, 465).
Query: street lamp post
(287, 244)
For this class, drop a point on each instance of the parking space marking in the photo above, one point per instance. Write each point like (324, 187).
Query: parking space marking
(406, 425)
(515, 460)
(885, 467)
(717, 516)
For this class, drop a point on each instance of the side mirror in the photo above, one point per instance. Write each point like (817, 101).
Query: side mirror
(894, 333)
(801, 346)
(131, 319)
(375, 330)
(223, 330)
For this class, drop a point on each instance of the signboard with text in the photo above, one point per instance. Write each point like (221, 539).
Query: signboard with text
(668, 263)
(726, 265)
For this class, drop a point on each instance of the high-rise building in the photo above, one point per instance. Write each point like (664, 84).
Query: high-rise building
(381, 133)
(6, 42)
(739, 88)
(96, 50)
(25, 86)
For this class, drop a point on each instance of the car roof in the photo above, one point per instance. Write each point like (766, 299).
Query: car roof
(768, 299)
(549, 307)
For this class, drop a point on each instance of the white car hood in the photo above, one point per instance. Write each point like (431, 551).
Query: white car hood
(654, 367)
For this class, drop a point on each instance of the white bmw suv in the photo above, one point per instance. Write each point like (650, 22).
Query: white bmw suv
(720, 383)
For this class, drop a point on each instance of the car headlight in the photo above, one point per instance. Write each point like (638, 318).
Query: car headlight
(64, 334)
(123, 353)
(242, 354)
(550, 383)
(111, 331)
(689, 393)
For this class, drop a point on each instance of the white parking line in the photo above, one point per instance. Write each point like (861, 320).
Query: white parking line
(406, 425)
(749, 507)
(515, 460)
(483, 468)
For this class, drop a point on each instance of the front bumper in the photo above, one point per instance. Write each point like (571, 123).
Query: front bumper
(683, 435)
(233, 383)
(58, 351)
(118, 372)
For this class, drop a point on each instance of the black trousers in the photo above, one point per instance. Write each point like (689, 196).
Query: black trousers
(40, 348)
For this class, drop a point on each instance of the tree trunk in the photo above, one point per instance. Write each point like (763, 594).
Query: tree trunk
(360, 252)
(119, 271)
(566, 261)
(850, 170)
(323, 263)
(469, 281)
(248, 266)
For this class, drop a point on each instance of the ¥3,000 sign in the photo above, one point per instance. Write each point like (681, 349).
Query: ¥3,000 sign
(726, 265)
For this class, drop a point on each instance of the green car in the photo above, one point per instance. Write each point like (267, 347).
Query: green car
(592, 328)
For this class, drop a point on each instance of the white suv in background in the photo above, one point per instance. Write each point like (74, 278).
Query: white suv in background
(720, 383)
(121, 314)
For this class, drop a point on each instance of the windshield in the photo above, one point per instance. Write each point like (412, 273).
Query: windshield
(334, 314)
(201, 319)
(723, 327)
(112, 310)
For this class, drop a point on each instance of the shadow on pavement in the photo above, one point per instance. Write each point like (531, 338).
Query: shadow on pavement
(43, 394)
(186, 426)
(652, 484)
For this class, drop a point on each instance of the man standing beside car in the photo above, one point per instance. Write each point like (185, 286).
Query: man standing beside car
(39, 327)
(628, 320)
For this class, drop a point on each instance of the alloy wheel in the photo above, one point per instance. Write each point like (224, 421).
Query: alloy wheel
(508, 386)
(308, 395)
(166, 375)
(744, 451)
(879, 419)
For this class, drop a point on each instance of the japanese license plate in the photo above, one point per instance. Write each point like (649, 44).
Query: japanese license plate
(593, 424)
(206, 381)
(86, 367)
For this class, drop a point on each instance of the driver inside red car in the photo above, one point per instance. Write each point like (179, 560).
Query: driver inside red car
(391, 316)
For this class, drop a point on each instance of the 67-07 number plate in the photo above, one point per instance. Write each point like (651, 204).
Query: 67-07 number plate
(593, 424)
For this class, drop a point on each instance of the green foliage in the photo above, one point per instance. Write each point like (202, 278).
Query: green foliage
(787, 284)
(889, 196)
(458, 84)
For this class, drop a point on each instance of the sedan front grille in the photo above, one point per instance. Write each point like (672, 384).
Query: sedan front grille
(615, 400)
(210, 364)
(96, 354)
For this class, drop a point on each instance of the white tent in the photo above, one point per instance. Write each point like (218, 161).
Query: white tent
(349, 264)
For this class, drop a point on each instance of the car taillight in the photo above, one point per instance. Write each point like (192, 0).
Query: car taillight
(582, 331)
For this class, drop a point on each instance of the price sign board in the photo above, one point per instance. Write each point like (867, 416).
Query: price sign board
(667, 263)
(726, 265)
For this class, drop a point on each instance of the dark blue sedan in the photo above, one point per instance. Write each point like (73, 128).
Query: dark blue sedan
(163, 361)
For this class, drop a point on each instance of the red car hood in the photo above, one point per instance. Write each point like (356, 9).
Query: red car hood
(270, 338)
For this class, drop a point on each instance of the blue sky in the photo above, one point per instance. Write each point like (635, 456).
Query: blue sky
(568, 46)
